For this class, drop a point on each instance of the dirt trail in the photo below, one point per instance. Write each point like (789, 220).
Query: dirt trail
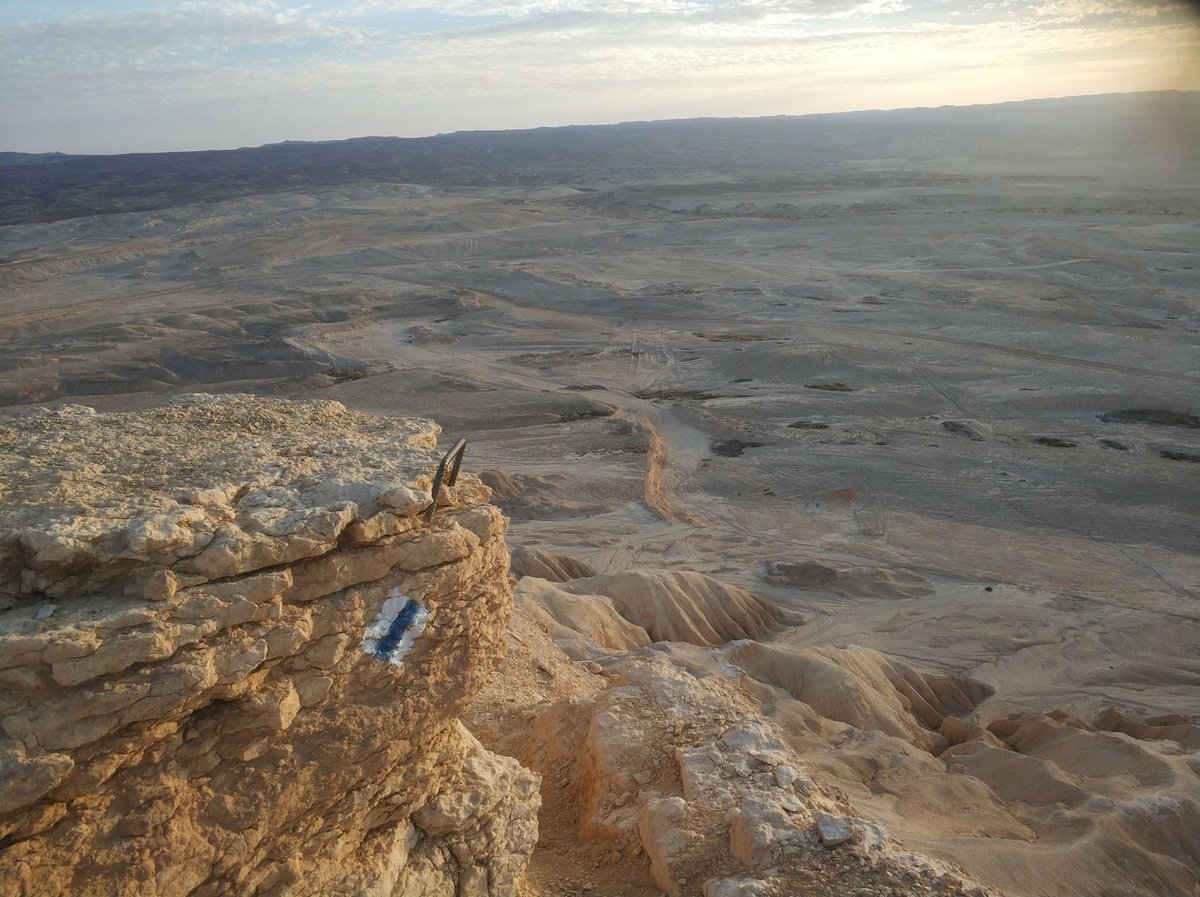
(658, 493)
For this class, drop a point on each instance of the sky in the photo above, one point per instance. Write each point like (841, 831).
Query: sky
(109, 76)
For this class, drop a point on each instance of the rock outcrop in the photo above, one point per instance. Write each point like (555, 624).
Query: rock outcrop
(543, 564)
(694, 778)
(233, 655)
(682, 606)
(764, 768)
(628, 610)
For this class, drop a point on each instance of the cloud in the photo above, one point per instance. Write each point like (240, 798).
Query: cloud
(179, 36)
(230, 72)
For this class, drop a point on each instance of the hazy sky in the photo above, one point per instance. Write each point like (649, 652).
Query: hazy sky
(127, 75)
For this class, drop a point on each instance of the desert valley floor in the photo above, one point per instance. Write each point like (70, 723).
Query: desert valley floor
(941, 412)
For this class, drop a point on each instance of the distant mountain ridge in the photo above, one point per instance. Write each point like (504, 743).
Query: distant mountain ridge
(1124, 127)
(8, 158)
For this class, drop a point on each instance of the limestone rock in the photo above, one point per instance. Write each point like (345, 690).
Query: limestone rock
(480, 827)
(664, 835)
(737, 887)
(760, 830)
(832, 830)
(205, 489)
(203, 712)
(688, 760)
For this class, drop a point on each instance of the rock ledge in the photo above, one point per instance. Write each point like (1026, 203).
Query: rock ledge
(211, 680)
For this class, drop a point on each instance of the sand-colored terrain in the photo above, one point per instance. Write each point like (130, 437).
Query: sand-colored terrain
(939, 415)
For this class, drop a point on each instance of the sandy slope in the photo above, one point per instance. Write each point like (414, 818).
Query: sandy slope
(1031, 804)
(902, 379)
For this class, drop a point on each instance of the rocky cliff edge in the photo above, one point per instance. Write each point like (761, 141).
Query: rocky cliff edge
(233, 655)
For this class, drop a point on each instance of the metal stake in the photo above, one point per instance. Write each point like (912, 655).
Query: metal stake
(456, 455)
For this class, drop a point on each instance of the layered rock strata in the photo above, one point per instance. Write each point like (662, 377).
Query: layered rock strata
(233, 655)
(777, 767)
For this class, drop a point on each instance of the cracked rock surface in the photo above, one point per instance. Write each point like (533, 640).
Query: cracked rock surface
(186, 705)
(206, 488)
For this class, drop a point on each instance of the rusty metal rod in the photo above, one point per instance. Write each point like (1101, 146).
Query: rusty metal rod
(455, 455)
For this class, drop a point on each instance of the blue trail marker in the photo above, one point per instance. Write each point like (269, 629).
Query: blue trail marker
(401, 621)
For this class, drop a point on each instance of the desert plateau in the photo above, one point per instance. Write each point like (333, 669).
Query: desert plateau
(851, 466)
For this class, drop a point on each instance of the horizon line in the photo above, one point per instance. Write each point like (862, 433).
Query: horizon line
(609, 124)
